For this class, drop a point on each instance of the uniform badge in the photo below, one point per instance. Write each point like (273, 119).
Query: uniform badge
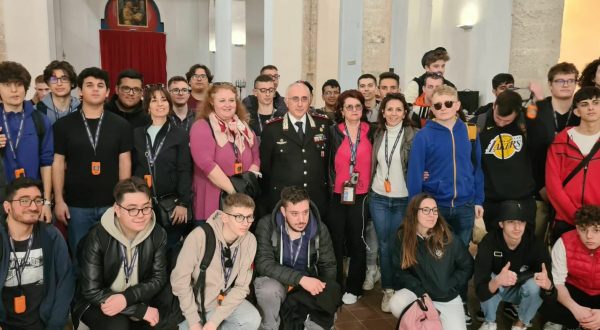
(281, 141)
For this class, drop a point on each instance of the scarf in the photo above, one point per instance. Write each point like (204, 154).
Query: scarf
(235, 132)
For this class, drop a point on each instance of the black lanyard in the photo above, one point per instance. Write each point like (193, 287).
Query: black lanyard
(353, 147)
(20, 266)
(13, 147)
(236, 151)
(150, 156)
(187, 122)
(295, 257)
(55, 110)
(556, 120)
(94, 140)
(127, 266)
(227, 270)
(260, 124)
(388, 159)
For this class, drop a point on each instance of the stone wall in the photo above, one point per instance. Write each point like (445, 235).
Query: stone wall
(535, 39)
(309, 40)
(377, 25)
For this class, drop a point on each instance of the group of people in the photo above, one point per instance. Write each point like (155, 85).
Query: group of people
(157, 190)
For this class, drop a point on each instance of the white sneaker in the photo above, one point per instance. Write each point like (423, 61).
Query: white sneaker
(488, 326)
(552, 326)
(515, 327)
(349, 299)
(385, 302)
(372, 276)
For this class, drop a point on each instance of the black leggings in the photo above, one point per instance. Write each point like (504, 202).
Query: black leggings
(95, 319)
(346, 225)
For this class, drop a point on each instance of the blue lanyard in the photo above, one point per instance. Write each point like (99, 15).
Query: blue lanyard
(227, 270)
(127, 266)
(15, 146)
(353, 147)
(295, 257)
(149, 155)
(94, 140)
(388, 159)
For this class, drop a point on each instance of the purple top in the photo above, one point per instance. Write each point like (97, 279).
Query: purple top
(207, 155)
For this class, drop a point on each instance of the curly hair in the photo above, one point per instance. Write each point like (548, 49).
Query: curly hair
(588, 75)
(339, 106)
(66, 68)
(14, 72)
(208, 105)
(588, 215)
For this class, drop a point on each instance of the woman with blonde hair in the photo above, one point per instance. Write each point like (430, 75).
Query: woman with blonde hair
(429, 262)
(222, 145)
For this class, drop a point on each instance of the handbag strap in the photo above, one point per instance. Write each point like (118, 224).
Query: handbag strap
(583, 163)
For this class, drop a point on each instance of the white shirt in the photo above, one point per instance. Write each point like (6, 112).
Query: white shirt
(302, 120)
(559, 263)
(396, 177)
(585, 143)
(153, 131)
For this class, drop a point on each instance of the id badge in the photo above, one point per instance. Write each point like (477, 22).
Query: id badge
(20, 304)
(237, 168)
(387, 185)
(148, 179)
(95, 168)
(221, 297)
(348, 194)
(19, 172)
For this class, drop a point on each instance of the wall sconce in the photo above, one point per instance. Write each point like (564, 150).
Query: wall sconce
(469, 15)
(466, 27)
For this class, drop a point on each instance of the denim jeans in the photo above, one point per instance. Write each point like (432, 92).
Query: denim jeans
(82, 220)
(244, 316)
(461, 220)
(387, 214)
(526, 295)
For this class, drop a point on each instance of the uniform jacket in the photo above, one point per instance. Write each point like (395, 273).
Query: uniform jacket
(59, 278)
(287, 161)
(321, 260)
(584, 187)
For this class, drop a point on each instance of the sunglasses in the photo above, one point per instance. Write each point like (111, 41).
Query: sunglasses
(447, 104)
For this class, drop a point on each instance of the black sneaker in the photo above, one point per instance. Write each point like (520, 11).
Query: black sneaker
(468, 319)
(510, 310)
(479, 316)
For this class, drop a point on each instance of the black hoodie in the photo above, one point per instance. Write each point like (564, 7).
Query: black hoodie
(137, 117)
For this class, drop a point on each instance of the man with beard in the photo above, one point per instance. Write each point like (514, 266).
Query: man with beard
(199, 77)
(127, 102)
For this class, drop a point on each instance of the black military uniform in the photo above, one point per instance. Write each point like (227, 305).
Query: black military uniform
(287, 161)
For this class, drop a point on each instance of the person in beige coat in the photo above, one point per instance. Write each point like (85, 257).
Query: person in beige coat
(229, 274)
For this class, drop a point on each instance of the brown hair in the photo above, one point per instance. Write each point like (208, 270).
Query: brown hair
(293, 195)
(440, 234)
(130, 185)
(588, 75)
(208, 104)
(237, 200)
(562, 68)
(351, 93)
(588, 215)
(392, 96)
(149, 94)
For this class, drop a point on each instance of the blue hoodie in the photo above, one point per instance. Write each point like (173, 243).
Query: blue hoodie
(30, 155)
(308, 234)
(453, 178)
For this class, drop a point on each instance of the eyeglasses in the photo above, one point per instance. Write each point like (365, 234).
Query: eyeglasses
(26, 202)
(298, 99)
(353, 108)
(226, 252)
(564, 82)
(130, 90)
(63, 79)
(330, 93)
(274, 76)
(239, 218)
(266, 90)
(447, 104)
(199, 76)
(180, 91)
(428, 210)
(135, 212)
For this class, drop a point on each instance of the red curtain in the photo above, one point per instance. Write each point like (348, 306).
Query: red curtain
(142, 51)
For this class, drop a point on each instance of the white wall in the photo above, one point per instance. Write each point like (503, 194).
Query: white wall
(287, 40)
(328, 29)
(254, 40)
(350, 46)
(26, 37)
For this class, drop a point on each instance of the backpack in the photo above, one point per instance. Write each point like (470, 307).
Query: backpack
(420, 315)
(40, 128)
(170, 310)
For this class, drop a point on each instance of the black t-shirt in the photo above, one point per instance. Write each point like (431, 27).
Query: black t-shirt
(82, 188)
(32, 286)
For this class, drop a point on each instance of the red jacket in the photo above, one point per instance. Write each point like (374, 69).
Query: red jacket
(583, 189)
(583, 267)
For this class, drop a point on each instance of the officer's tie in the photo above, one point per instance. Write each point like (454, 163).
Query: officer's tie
(300, 131)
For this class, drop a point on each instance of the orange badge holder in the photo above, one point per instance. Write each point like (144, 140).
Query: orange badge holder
(148, 179)
(20, 304)
(388, 186)
(96, 168)
(237, 168)
(19, 172)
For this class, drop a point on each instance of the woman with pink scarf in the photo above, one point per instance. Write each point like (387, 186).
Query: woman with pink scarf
(222, 144)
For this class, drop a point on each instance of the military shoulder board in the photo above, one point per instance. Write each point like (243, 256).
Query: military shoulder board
(273, 120)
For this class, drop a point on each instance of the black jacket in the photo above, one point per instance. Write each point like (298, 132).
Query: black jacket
(442, 279)
(251, 103)
(268, 236)
(541, 132)
(287, 161)
(493, 254)
(337, 137)
(173, 166)
(136, 117)
(100, 262)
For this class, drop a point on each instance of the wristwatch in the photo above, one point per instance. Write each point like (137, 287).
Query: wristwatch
(48, 202)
